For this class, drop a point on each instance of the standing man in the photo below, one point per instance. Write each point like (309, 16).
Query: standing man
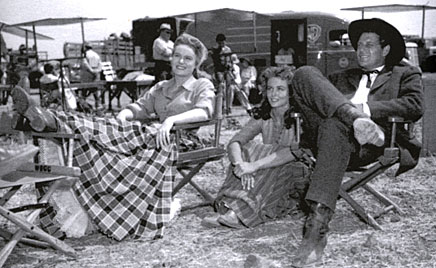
(90, 71)
(345, 120)
(222, 62)
(162, 52)
(226, 75)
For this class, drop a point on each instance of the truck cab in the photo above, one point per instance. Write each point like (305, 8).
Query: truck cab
(312, 38)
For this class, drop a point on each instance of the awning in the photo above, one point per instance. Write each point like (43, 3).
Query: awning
(390, 8)
(394, 8)
(59, 21)
(21, 32)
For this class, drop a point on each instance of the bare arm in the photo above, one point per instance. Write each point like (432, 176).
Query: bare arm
(194, 115)
(275, 159)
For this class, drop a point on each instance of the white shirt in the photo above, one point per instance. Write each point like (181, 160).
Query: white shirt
(362, 92)
(162, 50)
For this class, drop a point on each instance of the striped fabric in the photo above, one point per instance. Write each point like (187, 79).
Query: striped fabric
(126, 184)
(275, 193)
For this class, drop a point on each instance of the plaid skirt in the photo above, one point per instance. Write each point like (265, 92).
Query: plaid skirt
(277, 191)
(126, 183)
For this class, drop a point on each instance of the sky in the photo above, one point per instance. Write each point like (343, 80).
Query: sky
(119, 15)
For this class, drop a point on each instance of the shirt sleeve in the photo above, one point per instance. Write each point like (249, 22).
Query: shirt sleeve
(205, 96)
(248, 132)
(143, 108)
(160, 49)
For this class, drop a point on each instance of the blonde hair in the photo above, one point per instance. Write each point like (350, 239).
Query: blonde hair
(193, 42)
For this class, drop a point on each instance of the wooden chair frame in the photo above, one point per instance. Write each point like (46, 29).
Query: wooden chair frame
(34, 173)
(362, 177)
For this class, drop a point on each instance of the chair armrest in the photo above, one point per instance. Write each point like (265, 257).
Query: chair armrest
(395, 120)
(194, 124)
(56, 135)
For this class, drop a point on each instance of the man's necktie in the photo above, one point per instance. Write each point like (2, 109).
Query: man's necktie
(368, 74)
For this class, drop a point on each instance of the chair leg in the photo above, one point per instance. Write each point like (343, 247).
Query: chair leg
(27, 226)
(187, 178)
(359, 210)
(25, 241)
(383, 199)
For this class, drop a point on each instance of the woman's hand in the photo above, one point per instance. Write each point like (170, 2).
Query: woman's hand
(163, 134)
(247, 181)
(244, 168)
(125, 115)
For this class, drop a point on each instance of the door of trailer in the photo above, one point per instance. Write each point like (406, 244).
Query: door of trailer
(289, 42)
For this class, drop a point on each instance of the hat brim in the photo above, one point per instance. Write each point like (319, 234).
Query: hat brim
(385, 30)
(247, 60)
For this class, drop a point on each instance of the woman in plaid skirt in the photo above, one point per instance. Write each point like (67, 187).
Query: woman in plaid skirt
(128, 168)
(265, 180)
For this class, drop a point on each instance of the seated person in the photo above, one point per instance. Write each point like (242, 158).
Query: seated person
(128, 168)
(345, 121)
(49, 87)
(264, 180)
(248, 78)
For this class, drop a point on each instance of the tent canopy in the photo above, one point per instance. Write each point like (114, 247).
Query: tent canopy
(57, 21)
(390, 8)
(394, 8)
(21, 32)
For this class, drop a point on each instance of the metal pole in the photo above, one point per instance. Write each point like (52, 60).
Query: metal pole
(423, 22)
(34, 42)
(1, 28)
(83, 30)
(254, 32)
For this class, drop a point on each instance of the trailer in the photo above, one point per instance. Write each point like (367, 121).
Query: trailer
(318, 39)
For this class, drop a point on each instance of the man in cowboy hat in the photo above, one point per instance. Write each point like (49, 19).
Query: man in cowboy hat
(345, 119)
(162, 52)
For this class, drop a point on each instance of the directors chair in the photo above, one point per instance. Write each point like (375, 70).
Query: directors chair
(360, 178)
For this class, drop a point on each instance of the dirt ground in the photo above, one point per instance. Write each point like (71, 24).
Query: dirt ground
(407, 240)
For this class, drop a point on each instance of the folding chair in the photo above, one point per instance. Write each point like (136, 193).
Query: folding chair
(362, 177)
(190, 163)
(40, 175)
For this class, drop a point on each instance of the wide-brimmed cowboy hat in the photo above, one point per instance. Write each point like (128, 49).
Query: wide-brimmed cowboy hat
(385, 30)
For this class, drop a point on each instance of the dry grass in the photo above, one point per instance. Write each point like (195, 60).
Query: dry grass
(405, 241)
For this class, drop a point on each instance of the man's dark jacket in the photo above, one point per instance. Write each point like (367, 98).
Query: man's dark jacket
(397, 91)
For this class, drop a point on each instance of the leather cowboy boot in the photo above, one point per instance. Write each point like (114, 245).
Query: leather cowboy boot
(365, 130)
(39, 119)
(314, 236)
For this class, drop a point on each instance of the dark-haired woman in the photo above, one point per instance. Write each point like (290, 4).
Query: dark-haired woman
(264, 180)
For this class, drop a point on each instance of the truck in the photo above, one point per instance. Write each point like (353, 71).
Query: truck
(318, 39)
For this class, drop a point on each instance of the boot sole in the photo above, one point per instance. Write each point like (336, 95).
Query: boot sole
(368, 132)
(20, 99)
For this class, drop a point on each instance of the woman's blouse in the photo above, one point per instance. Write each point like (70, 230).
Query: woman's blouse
(272, 130)
(165, 100)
